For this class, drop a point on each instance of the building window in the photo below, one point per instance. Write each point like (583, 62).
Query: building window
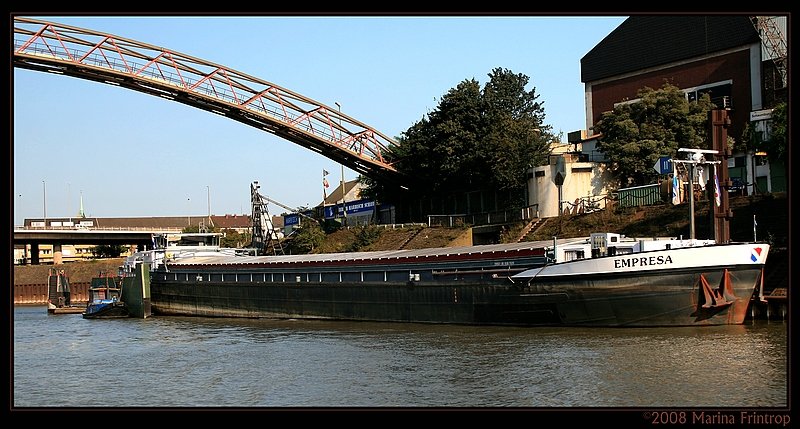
(720, 93)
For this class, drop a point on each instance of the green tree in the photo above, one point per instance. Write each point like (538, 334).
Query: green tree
(636, 134)
(234, 239)
(775, 145)
(438, 151)
(475, 139)
(364, 236)
(307, 239)
(516, 137)
(108, 250)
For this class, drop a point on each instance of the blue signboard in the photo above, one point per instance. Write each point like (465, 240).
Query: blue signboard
(663, 165)
(360, 206)
(353, 208)
(291, 219)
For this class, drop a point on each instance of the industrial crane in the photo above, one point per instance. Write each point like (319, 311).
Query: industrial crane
(291, 210)
(266, 238)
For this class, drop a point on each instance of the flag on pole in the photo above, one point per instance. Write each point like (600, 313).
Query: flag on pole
(717, 195)
(676, 196)
(325, 185)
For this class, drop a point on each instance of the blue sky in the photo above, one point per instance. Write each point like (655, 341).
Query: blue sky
(131, 154)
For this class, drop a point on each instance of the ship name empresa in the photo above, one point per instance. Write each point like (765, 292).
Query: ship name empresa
(642, 261)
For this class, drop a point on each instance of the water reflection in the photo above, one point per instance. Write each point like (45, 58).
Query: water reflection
(205, 362)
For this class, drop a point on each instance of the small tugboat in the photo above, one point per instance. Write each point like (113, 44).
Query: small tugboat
(105, 299)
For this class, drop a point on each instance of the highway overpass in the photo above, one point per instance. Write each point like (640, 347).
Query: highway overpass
(141, 238)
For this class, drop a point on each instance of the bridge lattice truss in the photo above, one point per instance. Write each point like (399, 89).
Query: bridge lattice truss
(61, 49)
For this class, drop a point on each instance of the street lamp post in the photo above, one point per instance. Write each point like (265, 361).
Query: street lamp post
(19, 200)
(344, 211)
(44, 203)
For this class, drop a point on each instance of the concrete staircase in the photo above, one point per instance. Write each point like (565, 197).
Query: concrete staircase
(531, 228)
(408, 240)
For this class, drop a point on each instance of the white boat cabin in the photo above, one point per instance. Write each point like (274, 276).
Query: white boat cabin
(172, 246)
(602, 244)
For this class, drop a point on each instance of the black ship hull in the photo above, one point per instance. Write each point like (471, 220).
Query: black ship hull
(482, 304)
(501, 285)
(461, 286)
(113, 310)
(675, 300)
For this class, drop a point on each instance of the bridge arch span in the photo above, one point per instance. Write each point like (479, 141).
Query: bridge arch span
(113, 60)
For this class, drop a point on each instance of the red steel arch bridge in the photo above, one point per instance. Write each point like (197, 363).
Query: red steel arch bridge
(105, 58)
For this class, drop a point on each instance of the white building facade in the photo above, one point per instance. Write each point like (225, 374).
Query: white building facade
(575, 180)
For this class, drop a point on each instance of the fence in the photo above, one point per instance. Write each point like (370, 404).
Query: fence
(487, 218)
(639, 196)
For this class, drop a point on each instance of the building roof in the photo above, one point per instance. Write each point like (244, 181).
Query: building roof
(335, 196)
(129, 222)
(231, 221)
(641, 42)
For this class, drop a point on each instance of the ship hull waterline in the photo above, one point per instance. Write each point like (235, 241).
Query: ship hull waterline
(115, 310)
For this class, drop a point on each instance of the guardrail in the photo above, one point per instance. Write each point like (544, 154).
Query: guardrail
(486, 218)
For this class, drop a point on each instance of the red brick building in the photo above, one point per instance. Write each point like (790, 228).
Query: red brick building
(722, 55)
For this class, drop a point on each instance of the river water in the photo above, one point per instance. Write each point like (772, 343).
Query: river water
(175, 362)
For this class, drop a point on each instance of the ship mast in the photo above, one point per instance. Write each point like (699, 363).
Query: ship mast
(695, 157)
(718, 179)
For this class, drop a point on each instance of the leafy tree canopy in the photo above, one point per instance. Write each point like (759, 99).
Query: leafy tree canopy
(108, 250)
(476, 138)
(234, 239)
(307, 239)
(636, 134)
(775, 145)
(775, 142)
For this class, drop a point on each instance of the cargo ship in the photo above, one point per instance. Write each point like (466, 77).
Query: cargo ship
(604, 280)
